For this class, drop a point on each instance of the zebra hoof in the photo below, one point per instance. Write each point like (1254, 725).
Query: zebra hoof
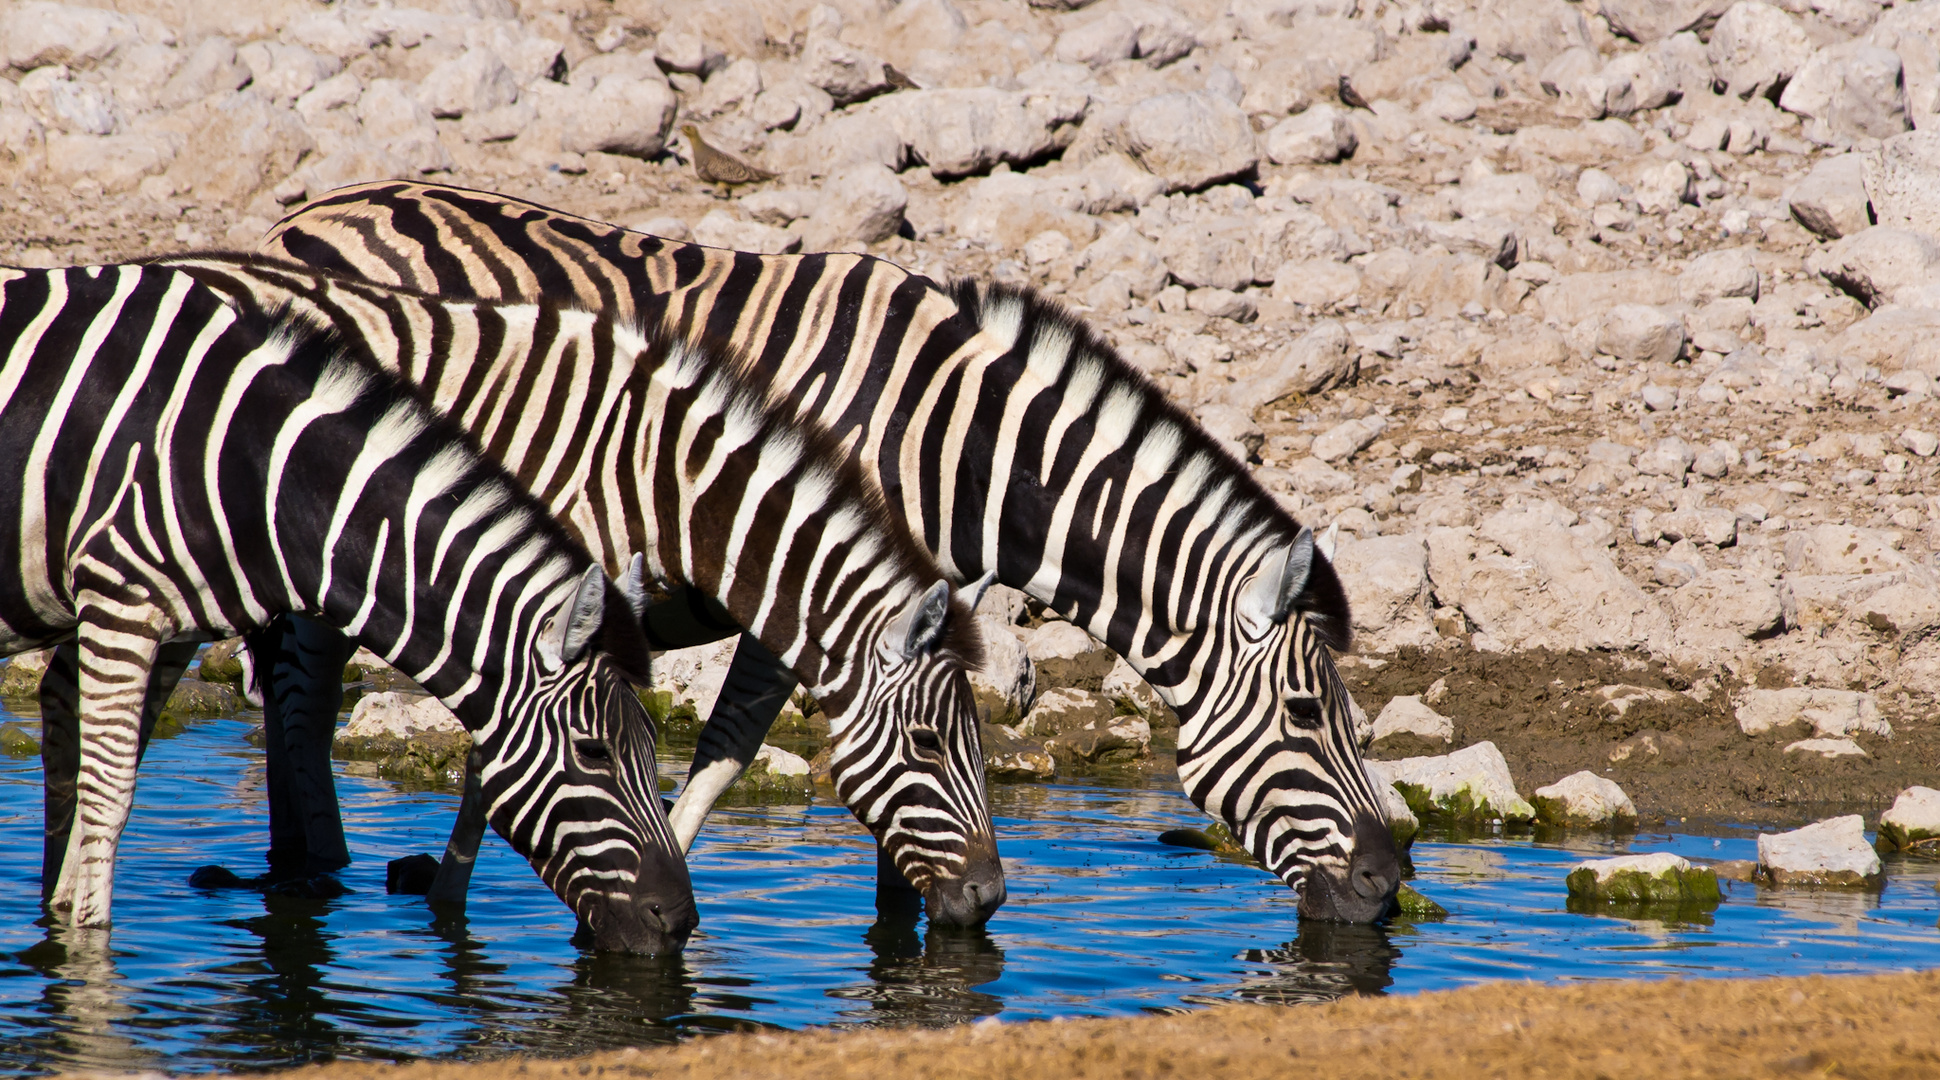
(411, 875)
(217, 877)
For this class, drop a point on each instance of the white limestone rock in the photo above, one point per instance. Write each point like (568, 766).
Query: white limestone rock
(1470, 783)
(860, 204)
(1190, 139)
(1827, 748)
(1406, 715)
(1905, 185)
(620, 115)
(723, 230)
(1007, 680)
(1912, 824)
(1657, 878)
(1726, 607)
(1831, 201)
(1583, 799)
(1755, 46)
(961, 131)
(1851, 90)
(1641, 332)
(1387, 577)
(1834, 714)
(1831, 853)
(1319, 135)
(1347, 438)
(775, 775)
(1882, 265)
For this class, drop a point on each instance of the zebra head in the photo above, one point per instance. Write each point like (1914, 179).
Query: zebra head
(570, 781)
(909, 763)
(1283, 768)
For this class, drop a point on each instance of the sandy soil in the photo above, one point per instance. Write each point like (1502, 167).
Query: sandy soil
(1873, 1026)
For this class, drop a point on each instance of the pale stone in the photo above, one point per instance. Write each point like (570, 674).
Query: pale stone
(1321, 358)
(1905, 186)
(1843, 549)
(1641, 332)
(845, 72)
(1406, 715)
(1755, 46)
(1833, 852)
(1912, 823)
(960, 131)
(1007, 680)
(1827, 748)
(1211, 252)
(859, 203)
(1469, 783)
(1829, 713)
(1102, 40)
(1718, 274)
(1583, 798)
(1347, 438)
(620, 116)
(1190, 139)
(723, 230)
(1724, 601)
(475, 81)
(399, 716)
(1851, 90)
(37, 34)
(1882, 265)
(1319, 135)
(1387, 577)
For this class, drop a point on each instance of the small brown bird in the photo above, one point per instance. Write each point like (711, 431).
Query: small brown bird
(896, 79)
(1351, 97)
(718, 166)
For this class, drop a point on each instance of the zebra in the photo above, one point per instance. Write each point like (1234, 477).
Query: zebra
(1013, 440)
(175, 472)
(674, 454)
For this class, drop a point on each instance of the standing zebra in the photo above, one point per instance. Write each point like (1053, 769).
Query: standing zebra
(1011, 439)
(667, 453)
(174, 473)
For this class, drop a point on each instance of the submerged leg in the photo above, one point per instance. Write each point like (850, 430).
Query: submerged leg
(454, 875)
(301, 665)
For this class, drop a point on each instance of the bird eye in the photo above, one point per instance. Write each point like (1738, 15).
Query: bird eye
(1304, 712)
(926, 739)
(592, 750)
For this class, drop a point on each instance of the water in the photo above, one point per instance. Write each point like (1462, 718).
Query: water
(1101, 921)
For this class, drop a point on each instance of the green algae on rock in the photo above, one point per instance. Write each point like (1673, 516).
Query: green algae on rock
(1659, 878)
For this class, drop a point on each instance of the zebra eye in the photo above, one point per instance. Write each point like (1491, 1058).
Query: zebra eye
(1304, 712)
(926, 739)
(592, 750)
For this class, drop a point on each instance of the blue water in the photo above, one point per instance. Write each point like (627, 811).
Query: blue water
(1101, 920)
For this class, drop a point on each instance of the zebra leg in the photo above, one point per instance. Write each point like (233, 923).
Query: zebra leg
(60, 740)
(454, 877)
(301, 664)
(756, 688)
(116, 664)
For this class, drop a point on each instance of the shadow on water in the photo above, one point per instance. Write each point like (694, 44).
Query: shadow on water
(927, 980)
(83, 1003)
(1326, 961)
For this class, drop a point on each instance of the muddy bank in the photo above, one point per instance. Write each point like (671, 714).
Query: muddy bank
(1686, 759)
(1872, 1026)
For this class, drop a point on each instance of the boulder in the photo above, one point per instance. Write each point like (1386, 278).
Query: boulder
(1009, 758)
(1212, 252)
(860, 204)
(1715, 275)
(841, 70)
(684, 684)
(17, 742)
(1831, 853)
(1099, 42)
(1190, 140)
(1079, 727)
(1646, 21)
(1123, 251)
(1574, 298)
(1403, 825)
(1065, 656)
(1905, 185)
(1471, 783)
(1405, 715)
(1387, 577)
(1851, 90)
(1755, 47)
(1007, 680)
(20, 677)
(1912, 824)
(1583, 800)
(1831, 201)
(1843, 549)
(239, 145)
(1659, 878)
(1319, 359)
(1882, 265)
(1130, 692)
(961, 131)
(620, 115)
(1727, 607)
(39, 34)
(774, 776)
(1347, 438)
(195, 698)
(1317, 136)
(721, 229)
(1641, 332)
(474, 81)
(212, 68)
(1828, 713)
(409, 736)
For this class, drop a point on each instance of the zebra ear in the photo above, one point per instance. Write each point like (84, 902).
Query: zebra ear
(1295, 573)
(925, 618)
(973, 593)
(633, 585)
(575, 626)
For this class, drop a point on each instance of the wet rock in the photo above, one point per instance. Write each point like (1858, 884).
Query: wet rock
(1831, 201)
(775, 775)
(407, 736)
(1007, 681)
(1403, 825)
(1882, 265)
(1833, 714)
(1079, 728)
(1583, 800)
(221, 662)
(1831, 853)
(1190, 139)
(1067, 657)
(1131, 694)
(1755, 47)
(195, 698)
(1470, 784)
(18, 742)
(1411, 903)
(1659, 878)
(1902, 187)
(685, 683)
(1744, 870)
(1010, 758)
(1405, 715)
(20, 676)
(1912, 824)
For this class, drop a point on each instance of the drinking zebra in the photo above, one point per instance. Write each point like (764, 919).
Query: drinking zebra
(1011, 439)
(668, 454)
(174, 473)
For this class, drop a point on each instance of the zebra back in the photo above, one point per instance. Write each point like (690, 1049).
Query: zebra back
(669, 451)
(1010, 439)
(175, 470)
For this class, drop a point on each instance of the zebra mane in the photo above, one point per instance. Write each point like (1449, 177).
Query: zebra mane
(757, 391)
(315, 346)
(1025, 313)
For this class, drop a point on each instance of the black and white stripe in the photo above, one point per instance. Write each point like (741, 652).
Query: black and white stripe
(1011, 439)
(172, 473)
(668, 453)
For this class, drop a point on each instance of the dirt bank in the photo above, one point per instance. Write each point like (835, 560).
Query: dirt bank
(1686, 758)
(1873, 1026)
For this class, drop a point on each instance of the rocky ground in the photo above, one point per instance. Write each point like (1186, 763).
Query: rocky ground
(1603, 330)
